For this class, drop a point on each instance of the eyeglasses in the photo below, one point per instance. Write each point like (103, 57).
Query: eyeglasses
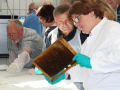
(62, 22)
(30, 9)
(76, 20)
(13, 34)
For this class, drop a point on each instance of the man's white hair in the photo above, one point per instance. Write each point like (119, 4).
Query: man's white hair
(39, 3)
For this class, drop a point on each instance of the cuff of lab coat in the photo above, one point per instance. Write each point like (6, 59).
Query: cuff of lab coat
(96, 68)
(75, 74)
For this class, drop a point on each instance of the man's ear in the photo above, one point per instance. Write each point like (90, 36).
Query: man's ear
(21, 31)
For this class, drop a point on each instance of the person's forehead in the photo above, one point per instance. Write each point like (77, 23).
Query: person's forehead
(32, 6)
(12, 27)
(13, 30)
(60, 16)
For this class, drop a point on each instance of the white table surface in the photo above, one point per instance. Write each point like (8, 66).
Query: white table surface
(22, 81)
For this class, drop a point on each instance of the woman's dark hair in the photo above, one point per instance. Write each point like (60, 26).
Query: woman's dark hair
(46, 12)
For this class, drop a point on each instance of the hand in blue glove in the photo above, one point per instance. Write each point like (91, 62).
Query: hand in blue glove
(38, 71)
(82, 60)
(56, 80)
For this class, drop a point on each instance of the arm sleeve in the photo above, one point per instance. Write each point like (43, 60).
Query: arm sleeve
(33, 42)
(109, 61)
(75, 74)
(22, 60)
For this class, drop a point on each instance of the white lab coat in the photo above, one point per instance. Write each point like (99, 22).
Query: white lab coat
(103, 47)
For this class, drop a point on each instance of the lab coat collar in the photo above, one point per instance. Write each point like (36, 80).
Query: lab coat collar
(98, 26)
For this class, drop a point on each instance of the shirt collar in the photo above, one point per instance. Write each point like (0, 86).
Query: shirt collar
(34, 11)
(69, 36)
(98, 26)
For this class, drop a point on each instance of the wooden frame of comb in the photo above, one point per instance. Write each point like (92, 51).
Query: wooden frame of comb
(57, 57)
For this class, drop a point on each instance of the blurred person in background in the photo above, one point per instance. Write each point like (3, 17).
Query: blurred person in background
(109, 13)
(113, 4)
(31, 8)
(116, 7)
(45, 14)
(32, 21)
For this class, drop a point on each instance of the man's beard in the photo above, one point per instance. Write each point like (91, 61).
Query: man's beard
(16, 41)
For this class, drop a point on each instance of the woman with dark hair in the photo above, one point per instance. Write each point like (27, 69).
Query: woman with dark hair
(45, 14)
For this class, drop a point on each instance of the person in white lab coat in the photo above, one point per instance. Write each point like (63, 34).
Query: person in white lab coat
(100, 53)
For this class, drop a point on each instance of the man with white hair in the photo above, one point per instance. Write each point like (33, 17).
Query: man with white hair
(24, 45)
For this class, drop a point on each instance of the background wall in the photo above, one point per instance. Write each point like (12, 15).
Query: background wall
(19, 7)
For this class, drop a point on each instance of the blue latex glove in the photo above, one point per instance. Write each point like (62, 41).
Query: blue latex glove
(38, 71)
(82, 60)
(56, 80)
